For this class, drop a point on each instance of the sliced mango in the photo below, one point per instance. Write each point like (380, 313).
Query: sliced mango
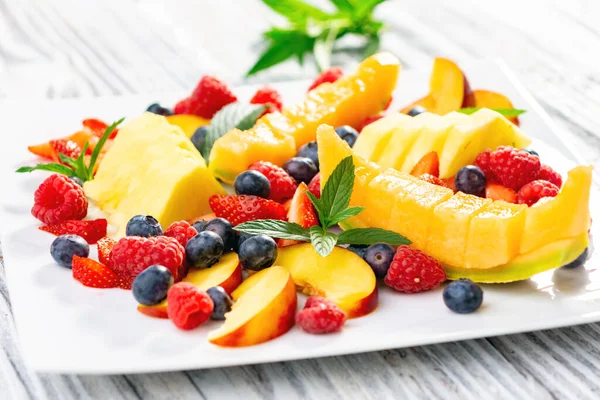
(187, 122)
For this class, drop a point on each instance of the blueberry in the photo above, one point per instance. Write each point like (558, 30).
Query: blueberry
(258, 252)
(531, 151)
(348, 134)
(416, 110)
(310, 150)
(156, 108)
(301, 169)
(76, 180)
(143, 225)
(463, 296)
(470, 180)
(64, 247)
(241, 238)
(224, 229)
(359, 249)
(222, 302)
(204, 249)
(198, 137)
(150, 287)
(579, 261)
(379, 256)
(200, 225)
(252, 183)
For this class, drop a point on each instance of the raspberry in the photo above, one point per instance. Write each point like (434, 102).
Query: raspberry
(533, 191)
(368, 121)
(187, 306)
(413, 271)
(59, 199)
(483, 162)
(182, 231)
(91, 231)
(283, 186)
(432, 179)
(133, 254)
(209, 97)
(105, 246)
(513, 167)
(315, 186)
(240, 209)
(268, 95)
(320, 315)
(329, 75)
(93, 274)
(550, 175)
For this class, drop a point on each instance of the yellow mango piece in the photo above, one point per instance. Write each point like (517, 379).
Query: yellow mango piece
(495, 235)
(187, 122)
(153, 169)
(375, 137)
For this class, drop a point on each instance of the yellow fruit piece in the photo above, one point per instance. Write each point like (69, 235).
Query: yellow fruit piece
(375, 137)
(152, 169)
(402, 139)
(187, 122)
(348, 101)
(485, 129)
(431, 138)
(566, 215)
(234, 152)
(495, 235)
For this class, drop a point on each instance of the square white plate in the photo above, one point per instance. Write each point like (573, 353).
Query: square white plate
(68, 328)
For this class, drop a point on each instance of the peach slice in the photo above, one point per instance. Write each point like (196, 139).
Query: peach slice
(489, 99)
(342, 277)
(264, 308)
(227, 273)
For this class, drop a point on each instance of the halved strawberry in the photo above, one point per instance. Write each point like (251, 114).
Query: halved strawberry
(449, 182)
(93, 274)
(91, 230)
(315, 185)
(97, 127)
(496, 191)
(428, 164)
(240, 209)
(105, 245)
(301, 212)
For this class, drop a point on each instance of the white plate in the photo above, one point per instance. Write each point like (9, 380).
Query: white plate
(66, 327)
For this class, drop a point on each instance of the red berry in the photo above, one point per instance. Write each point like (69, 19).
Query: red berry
(65, 147)
(533, 191)
(187, 306)
(432, 179)
(209, 97)
(133, 254)
(182, 231)
(268, 95)
(283, 186)
(368, 121)
(59, 199)
(513, 167)
(329, 75)
(98, 128)
(93, 274)
(91, 231)
(496, 191)
(320, 316)
(240, 209)
(105, 245)
(483, 162)
(315, 185)
(550, 175)
(413, 271)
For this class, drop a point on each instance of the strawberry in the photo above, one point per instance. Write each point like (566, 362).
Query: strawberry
(496, 191)
(428, 164)
(301, 212)
(514, 168)
(329, 75)
(91, 231)
(315, 185)
(97, 128)
(449, 182)
(209, 96)
(268, 95)
(105, 245)
(432, 179)
(93, 274)
(533, 191)
(413, 271)
(550, 175)
(283, 186)
(240, 209)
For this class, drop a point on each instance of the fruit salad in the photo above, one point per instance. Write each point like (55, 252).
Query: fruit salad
(238, 211)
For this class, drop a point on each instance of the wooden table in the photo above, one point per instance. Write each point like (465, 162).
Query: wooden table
(69, 48)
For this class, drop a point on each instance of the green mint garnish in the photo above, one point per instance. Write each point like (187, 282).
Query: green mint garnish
(507, 112)
(76, 166)
(332, 208)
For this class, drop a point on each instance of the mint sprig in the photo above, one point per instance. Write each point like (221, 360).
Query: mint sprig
(76, 166)
(507, 112)
(332, 208)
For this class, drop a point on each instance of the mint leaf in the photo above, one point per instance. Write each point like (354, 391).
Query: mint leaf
(371, 235)
(344, 214)
(364, 8)
(507, 112)
(284, 45)
(67, 160)
(318, 204)
(58, 168)
(297, 11)
(336, 193)
(322, 240)
(372, 46)
(109, 130)
(275, 228)
(324, 46)
(344, 6)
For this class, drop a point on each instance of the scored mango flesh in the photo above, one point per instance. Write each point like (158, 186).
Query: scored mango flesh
(468, 234)
(277, 136)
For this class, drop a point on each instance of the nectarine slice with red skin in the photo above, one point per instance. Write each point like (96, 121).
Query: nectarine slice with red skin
(490, 99)
(428, 164)
(227, 273)
(264, 309)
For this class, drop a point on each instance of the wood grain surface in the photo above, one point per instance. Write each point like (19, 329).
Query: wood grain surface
(71, 48)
